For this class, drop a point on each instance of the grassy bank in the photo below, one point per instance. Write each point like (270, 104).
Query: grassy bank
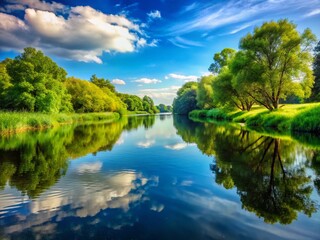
(290, 117)
(12, 122)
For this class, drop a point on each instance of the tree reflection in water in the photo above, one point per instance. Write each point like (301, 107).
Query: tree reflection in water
(269, 173)
(33, 161)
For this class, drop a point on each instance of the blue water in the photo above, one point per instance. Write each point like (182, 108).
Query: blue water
(157, 178)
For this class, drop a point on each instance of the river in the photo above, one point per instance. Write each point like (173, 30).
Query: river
(158, 177)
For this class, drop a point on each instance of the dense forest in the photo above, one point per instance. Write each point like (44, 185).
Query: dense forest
(274, 65)
(32, 82)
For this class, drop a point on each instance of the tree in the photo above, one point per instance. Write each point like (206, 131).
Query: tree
(227, 91)
(262, 169)
(315, 95)
(87, 97)
(186, 99)
(205, 92)
(4, 83)
(221, 59)
(102, 83)
(36, 84)
(276, 63)
(148, 105)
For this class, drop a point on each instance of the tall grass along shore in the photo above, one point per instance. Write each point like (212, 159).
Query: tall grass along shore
(290, 117)
(13, 122)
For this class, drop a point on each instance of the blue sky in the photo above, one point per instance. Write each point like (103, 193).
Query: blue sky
(144, 47)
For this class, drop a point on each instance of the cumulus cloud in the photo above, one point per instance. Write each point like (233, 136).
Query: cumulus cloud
(146, 144)
(81, 34)
(118, 81)
(160, 95)
(154, 14)
(186, 78)
(147, 80)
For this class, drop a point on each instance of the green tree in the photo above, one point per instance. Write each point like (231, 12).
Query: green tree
(221, 59)
(88, 97)
(262, 169)
(4, 83)
(36, 84)
(227, 91)
(205, 92)
(315, 95)
(276, 63)
(102, 83)
(148, 105)
(186, 99)
(163, 108)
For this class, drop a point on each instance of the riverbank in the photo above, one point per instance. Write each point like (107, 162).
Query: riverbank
(14, 122)
(290, 117)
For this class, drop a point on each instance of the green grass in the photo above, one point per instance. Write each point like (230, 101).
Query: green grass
(12, 122)
(290, 117)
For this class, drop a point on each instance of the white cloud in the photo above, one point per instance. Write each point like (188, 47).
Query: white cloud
(118, 81)
(13, 32)
(178, 146)
(82, 33)
(147, 80)
(154, 14)
(184, 43)
(313, 13)
(16, 5)
(209, 16)
(160, 95)
(186, 78)
(157, 207)
(146, 144)
(89, 167)
(240, 28)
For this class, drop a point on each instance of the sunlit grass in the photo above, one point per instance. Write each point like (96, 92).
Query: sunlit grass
(21, 121)
(289, 117)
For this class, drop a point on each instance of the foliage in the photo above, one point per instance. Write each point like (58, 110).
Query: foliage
(148, 105)
(134, 103)
(275, 63)
(88, 97)
(32, 82)
(230, 94)
(205, 92)
(33, 161)
(36, 84)
(315, 95)
(102, 83)
(163, 108)
(294, 117)
(186, 99)
(221, 60)
(262, 169)
(4, 83)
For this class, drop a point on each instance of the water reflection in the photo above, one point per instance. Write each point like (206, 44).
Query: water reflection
(34, 161)
(138, 179)
(269, 174)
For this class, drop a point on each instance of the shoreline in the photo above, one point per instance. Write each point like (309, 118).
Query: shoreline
(292, 118)
(19, 122)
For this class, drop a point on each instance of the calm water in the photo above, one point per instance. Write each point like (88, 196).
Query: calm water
(158, 178)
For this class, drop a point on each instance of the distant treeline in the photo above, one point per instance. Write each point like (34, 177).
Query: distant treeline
(33, 82)
(274, 65)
